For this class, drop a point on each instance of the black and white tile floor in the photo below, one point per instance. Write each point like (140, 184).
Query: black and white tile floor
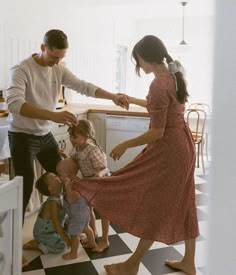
(122, 245)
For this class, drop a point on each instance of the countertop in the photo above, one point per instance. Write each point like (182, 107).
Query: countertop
(77, 108)
(108, 109)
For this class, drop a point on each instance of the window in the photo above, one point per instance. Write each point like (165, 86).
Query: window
(121, 59)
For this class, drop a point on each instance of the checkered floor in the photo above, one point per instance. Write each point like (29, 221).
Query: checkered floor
(122, 245)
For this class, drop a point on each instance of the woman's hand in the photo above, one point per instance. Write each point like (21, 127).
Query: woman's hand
(121, 100)
(118, 151)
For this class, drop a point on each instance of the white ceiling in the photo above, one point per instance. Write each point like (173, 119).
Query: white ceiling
(160, 8)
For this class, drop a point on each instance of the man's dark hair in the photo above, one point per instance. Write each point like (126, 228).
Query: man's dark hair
(55, 39)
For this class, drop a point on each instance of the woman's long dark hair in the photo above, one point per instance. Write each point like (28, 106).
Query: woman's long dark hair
(151, 49)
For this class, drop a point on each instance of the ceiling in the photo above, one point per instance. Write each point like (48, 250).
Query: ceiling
(160, 8)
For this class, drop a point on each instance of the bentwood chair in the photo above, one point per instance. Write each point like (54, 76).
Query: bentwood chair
(196, 120)
(201, 106)
(205, 107)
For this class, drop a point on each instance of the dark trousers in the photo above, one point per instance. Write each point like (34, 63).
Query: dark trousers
(25, 148)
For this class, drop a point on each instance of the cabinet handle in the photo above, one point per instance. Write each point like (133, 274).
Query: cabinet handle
(63, 144)
(59, 144)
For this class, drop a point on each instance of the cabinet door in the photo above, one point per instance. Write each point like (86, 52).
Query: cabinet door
(63, 142)
(99, 123)
(59, 128)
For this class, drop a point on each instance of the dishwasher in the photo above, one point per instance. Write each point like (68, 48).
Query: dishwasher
(121, 128)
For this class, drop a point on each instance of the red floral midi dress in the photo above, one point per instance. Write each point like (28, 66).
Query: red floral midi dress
(153, 197)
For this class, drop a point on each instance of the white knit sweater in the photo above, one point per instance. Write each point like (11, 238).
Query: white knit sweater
(39, 86)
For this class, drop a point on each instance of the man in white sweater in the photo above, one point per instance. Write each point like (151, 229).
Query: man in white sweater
(32, 94)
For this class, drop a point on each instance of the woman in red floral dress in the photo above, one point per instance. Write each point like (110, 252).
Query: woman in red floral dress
(153, 197)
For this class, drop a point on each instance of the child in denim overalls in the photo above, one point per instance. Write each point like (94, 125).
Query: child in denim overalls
(49, 233)
(49, 236)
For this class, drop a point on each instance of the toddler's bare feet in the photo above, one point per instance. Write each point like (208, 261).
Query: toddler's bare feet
(121, 269)
(70, 255)
(181, 265)
(31, 245)
(84, 241)
(90, 244)
(101, 246)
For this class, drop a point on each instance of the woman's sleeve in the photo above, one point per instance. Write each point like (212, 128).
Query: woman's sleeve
(158, 108)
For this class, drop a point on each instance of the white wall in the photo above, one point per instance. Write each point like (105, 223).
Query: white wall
(196, 56)
(91, 52)
(94, 31)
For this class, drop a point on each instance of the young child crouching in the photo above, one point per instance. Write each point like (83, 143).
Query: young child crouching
(49, 233)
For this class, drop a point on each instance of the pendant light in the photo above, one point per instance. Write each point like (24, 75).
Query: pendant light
(183, 42)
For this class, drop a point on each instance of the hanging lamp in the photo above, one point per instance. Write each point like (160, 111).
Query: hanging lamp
(183, 42)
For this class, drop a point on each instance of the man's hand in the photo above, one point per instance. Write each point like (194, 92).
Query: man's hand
(64, 117)
(121, 100)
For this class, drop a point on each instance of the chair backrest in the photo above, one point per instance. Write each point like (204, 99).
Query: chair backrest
(201, 106)
(196, 120)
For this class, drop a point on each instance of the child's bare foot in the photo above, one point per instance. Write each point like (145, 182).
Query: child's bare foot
(103, 245)
(31, 245)
(84, 241)
(24, 262)
(90, 244)
(121, 268)
(70, 255)
(181, 265)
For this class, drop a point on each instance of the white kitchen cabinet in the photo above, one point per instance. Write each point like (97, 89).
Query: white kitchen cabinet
(63, 141)
(11, 226)
(61, 135)
(113, 129)
(99, 123)
(119, 129)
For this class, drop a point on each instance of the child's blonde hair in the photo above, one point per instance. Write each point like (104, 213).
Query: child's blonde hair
(84, 128)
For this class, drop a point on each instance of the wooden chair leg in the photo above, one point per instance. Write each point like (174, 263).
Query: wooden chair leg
(198, 155)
